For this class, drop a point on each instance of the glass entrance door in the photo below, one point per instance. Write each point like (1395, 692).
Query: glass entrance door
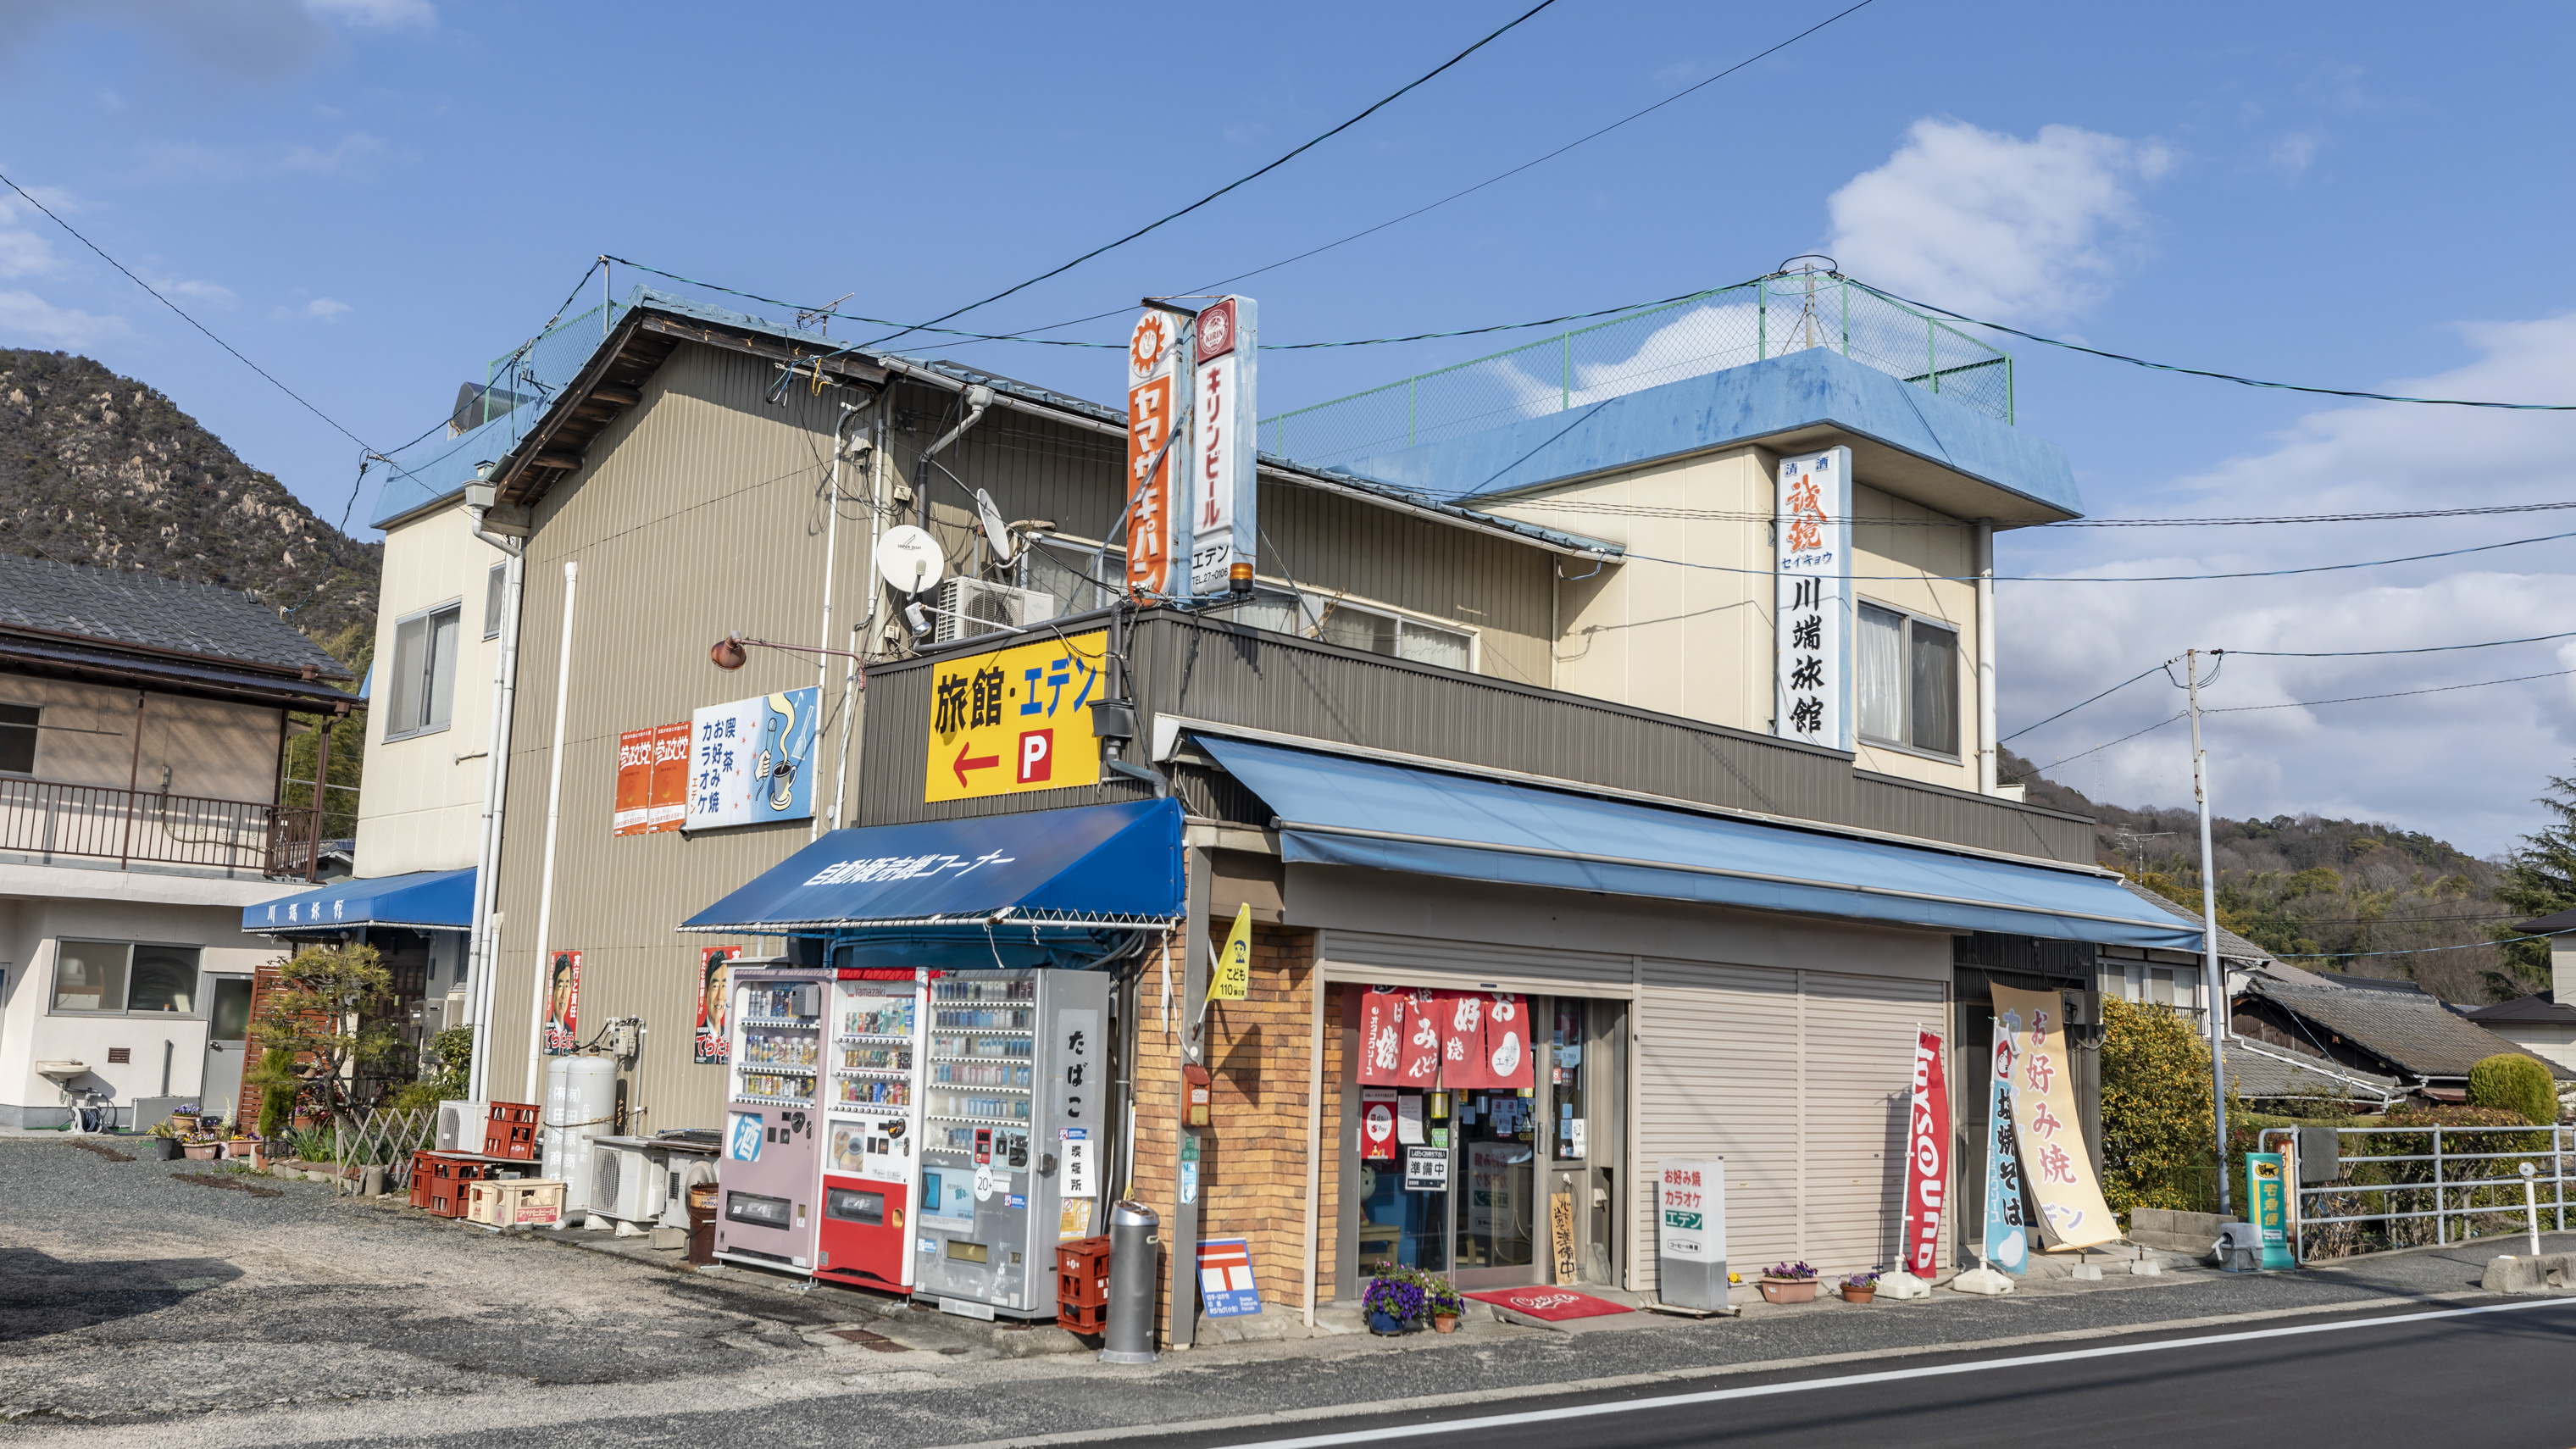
(227, 1032)
(1497, 1201)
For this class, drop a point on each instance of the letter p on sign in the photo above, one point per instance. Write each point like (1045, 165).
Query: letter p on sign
(1037, 755)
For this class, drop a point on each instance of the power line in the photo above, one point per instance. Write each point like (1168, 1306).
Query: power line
(2122, 578)
(2097, 749)
(2398, 694)
(2072, 708)
(2451, 402)
(2366, 653)
(2411, 951)
(1727, 515)
(1373, 109)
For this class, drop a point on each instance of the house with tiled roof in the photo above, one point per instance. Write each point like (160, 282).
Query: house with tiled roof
(2541, 1023)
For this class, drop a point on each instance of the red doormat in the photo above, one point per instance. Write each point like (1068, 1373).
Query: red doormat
(1555, 1305)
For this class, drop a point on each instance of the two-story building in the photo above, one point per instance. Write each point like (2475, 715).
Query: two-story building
(143, 732)
(1502, 712)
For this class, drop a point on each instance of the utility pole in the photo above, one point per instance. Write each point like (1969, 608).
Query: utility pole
(2213, 971)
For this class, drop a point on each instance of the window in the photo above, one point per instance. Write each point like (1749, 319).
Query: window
(424, 673)
(1907, 681)
(113, 976)
(18, 739)
(1389, 634)
(495, 587)
(1066, 572)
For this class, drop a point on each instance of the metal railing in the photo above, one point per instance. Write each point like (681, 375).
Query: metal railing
(2466, 1184)
(1729, 327)
(47, 819)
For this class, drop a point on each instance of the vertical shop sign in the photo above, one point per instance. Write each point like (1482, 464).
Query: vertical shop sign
(667, 797)
(2267, 1192)
(1419, 1063)
(1075, 1086)
(1223, 428)
(2007, 1244)
(1560, 1236)
(2045, 1121)
(1927, 1157)
(1812, 609)
(750, 760)
(1382, 1035)
(631, 815)
(1461, 1015)
(1157, 523)
(563, 1004)
(713, 1042)
(1507, 1055)
(1690, 1232)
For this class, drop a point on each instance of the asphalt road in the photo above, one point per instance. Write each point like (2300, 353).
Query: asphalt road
(2485, 1375)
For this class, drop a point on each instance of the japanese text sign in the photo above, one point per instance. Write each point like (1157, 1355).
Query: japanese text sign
(1927, 1157)
(2007, 1245)
(2030, 1042)
(1812, 608)
(632, 813)
(752, 760)
(1224, 463)
(1690, 1201)
(1226, 1285)
(667, 806)
(1232, 979)
(1015, 719)
(1158, 519)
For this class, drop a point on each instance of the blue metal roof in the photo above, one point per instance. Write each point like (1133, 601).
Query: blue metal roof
(430, 900)
(1744, 404)
(1336, 810)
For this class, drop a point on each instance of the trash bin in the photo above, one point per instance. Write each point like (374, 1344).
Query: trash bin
(2240, 1248)
(1135, 1257)
(702, 1233)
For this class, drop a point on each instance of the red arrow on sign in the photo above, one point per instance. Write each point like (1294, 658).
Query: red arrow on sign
(964, 764)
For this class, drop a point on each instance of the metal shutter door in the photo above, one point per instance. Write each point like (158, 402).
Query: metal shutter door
(1576, 973)
(1859, 1055)
(1716, 1076)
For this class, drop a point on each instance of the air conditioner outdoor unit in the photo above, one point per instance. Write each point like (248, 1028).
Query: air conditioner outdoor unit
(625, 1183)
(461, 1124)
(684, 1173)
(969, 607)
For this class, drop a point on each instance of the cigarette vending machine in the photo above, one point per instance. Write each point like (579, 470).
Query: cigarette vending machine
(768, 1177)
(1015, 1101)
(872, 1115)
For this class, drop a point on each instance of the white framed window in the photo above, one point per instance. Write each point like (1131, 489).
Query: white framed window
(1905, 681)
(18, 739)
(111, 978)
(1398, 636)
(422, 686)
(495, 590)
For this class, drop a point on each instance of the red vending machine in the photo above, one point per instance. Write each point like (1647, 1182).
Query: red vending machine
(872, 1112)
(767, 1179)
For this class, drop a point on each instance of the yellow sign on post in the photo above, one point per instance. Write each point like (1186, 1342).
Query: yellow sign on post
(1232, 980)
(1015, 719)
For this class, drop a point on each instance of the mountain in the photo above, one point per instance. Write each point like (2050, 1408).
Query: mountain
(2326, 895)
(103, 470)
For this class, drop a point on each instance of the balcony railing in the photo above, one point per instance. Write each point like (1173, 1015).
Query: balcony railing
(136, 827)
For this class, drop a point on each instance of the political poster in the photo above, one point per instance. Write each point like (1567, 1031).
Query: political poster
(667, 799)
(713, 1041)
(563, 1004)
(2046, 1126)
(631, 812)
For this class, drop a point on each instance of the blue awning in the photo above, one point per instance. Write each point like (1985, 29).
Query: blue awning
(429, 900)
(1335, 810)
(1089, 868)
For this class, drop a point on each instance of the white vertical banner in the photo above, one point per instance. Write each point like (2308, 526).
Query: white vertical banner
(1812, 618)
(1224, 489)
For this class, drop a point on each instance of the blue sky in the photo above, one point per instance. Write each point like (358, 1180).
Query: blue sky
(374, 197)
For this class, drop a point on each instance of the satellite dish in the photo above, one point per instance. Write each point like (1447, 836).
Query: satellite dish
(996, 532)
(909, 559)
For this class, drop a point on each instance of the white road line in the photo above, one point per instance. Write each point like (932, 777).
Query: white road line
(1846, 1381)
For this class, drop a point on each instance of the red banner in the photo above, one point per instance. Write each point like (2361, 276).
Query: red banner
(1507, 1042)
(1461, 1015)
(634, 782)
(667, 803)
(1382, 1035)
(1420, 1062)
(1927, 1158)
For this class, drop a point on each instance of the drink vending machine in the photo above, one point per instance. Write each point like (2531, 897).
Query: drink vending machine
(767, 1177)
(872, 1111)
(1015, 1103)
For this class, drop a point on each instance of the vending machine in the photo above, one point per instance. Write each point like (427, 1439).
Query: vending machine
(768, 1176)
(1015, 1103)
(872, 1116)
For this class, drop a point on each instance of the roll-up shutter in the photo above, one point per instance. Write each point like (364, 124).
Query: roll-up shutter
(1860, 1051)
(1439, 961)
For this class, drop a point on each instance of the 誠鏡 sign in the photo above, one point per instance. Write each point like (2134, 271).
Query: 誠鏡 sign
(1811, 555)
(1015, 719)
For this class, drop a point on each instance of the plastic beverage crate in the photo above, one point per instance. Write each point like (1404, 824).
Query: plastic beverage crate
(533, 1202)
(439, 1180)
(510, 1130)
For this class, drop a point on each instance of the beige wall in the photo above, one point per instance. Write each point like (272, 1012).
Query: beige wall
(1697, 641)
(421, 807)
(213, 749)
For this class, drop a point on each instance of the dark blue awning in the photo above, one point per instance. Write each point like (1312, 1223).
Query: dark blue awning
(428, 900)
(1336, 810)
(1087, 868)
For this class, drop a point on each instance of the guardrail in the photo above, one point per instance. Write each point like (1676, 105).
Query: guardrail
(2445, 1185)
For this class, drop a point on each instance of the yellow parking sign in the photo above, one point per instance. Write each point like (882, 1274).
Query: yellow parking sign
(1015, 719)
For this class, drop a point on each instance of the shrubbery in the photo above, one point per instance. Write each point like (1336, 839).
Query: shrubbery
(2512, 1082)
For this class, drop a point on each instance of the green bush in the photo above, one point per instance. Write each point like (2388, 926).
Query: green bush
(452, 1051)
(2158, 1145)
(279, 1086)
(2512, 1082)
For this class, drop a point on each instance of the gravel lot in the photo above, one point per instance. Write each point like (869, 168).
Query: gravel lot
(133, 1300)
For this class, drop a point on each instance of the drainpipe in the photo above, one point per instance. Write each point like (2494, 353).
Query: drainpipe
(480, 946)
(554, 818)
(1988, 752)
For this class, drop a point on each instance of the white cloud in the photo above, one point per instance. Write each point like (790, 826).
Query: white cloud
(375, 14)
(26, 317)
(2463, 764)
(2292, 153)
(214, 293)
(1993, 225)
(326, 309)
(24, 250)
(198, 161)
(340, 159)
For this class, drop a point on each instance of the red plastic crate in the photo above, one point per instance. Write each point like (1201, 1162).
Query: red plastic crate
(511, 1131)
(439, 1180)
(1082, 1284)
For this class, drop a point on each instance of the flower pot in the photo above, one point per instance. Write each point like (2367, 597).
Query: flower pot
(1444, 1323)
(1387, 1325)
(1788, 1290)
(165, 1149)
(241, 1147)
(1854, 1293)
(201, 1151)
